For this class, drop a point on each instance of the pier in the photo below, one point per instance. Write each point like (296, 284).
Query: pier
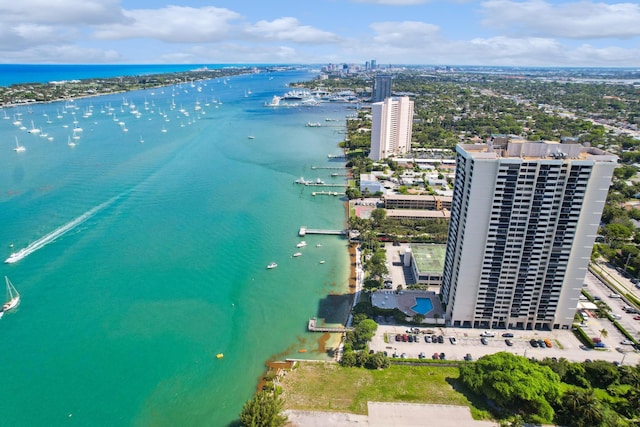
(327, 193)
(328, 167)
(336, 156)
(318, 184)
(311, 326)
(304, 231)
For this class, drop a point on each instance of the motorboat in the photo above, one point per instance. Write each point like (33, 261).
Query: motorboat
(297, 254)
(272, 265)
(302, 244)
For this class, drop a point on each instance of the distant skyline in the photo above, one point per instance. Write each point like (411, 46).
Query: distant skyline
(437, 32)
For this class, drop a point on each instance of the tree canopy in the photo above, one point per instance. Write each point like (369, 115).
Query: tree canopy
(514, 383)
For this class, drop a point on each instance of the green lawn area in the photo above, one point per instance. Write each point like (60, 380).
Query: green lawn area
(317, 386)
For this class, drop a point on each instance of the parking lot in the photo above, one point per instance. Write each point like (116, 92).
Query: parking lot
(468, 341)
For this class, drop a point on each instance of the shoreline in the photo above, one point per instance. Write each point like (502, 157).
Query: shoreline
(25, 94)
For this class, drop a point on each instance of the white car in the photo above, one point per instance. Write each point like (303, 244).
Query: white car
(626, 342)
(488, 334)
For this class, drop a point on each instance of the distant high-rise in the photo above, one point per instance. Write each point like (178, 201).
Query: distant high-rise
(373, 64)
(524, 218)
(392, 122)
(381, 88)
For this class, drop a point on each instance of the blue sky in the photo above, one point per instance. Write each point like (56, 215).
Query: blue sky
(439, 32)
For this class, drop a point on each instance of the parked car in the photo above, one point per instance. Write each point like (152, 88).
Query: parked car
(468, 357)
(600, 345)
(435, 356)
(533, 343)
(410, 338)
(626, 342)
(636, 317)
(614, 295)
(440, 339)
(427, 338)
(422, 356)
(453, 340)
(541, 343)
(484, 341)
(488, 334)
(508, 342)
(399, 337)
(442, 356)
(547, 342)
(507, 335)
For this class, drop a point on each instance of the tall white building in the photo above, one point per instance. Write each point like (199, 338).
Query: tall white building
(392, 121)
(524, 218)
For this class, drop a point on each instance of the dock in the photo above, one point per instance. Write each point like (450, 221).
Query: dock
(327, 193)
(317, 184)
(311, 326)
(304, 231)
(328, 167)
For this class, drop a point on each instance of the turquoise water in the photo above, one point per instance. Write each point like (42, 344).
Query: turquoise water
(150, 257)
(423, 305)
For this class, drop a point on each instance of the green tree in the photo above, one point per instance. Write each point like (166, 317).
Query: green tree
(378, 361)
(348, 359)
(580, 408)
(378, 215)
(263, 411)
(362, 333)
(514, 383)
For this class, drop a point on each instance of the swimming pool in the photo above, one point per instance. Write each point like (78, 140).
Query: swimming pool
(423, 305)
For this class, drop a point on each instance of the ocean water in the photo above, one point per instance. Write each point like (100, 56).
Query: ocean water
(146, 251)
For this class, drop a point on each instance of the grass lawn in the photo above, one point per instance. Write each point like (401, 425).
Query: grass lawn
(317, 386)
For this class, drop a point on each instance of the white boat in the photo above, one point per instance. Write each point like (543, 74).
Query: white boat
(313, 124)
(322, 262)
(19, 148)
(13, 297)
(272, 265)
(301, 180)
(275, 102)
(302, 244)
(70, 143)
(33, 128)
(297, 254)
(318, 245)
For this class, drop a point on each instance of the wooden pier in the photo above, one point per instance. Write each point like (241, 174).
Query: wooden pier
(311, 326)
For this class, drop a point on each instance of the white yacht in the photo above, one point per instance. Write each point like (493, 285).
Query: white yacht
(272, 265)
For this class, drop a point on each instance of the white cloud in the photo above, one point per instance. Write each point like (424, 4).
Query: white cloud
(578, 20)
(394, 2)
(60, 54)
(172, 24)
(290, 29)
(83, 12)
(405, 34)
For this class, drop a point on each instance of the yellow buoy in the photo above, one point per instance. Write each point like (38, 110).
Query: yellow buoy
(220, 355)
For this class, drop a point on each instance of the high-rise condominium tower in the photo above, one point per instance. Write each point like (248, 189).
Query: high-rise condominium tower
(524, 218)
(392, 121)
(381, 88)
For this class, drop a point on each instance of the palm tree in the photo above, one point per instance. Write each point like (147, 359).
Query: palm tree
(604, 333)
(581, 408)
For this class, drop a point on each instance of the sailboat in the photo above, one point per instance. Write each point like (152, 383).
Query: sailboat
(19, 148)
(13, 296)
(70, 143)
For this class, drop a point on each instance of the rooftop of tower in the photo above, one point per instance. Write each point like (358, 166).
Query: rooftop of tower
(536, 150)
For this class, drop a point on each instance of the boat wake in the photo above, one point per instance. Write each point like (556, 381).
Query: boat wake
(45, 240)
